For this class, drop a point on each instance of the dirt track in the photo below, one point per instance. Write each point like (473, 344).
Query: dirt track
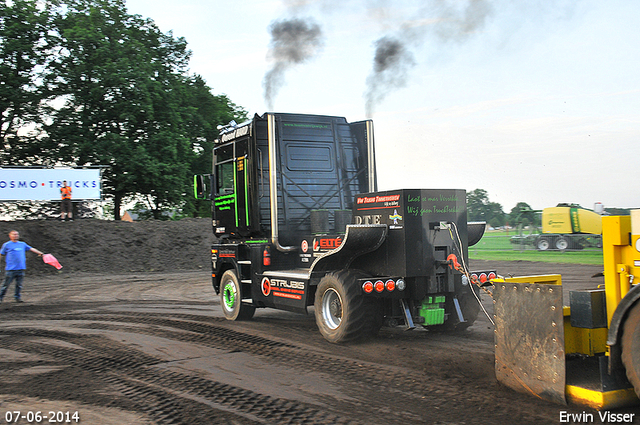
(153, 348)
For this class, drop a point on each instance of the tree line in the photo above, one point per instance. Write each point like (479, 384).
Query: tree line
(479, 208)
(85, 83)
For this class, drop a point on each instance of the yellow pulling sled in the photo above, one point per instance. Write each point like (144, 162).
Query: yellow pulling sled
(586, 353)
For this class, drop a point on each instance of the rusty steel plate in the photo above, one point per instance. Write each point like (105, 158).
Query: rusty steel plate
(529, 339)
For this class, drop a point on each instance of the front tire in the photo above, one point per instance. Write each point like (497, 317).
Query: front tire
(342, 312)
(543, 244)
(630, 343)
(231, 298)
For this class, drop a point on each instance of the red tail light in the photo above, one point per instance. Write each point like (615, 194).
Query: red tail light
(492, 275)
(368, 287)
(483, 277)
(390, 285)
(379, 285)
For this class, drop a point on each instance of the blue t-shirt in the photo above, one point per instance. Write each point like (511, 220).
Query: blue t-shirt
(16, 257)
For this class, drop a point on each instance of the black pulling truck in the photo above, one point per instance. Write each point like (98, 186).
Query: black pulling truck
(299, 221)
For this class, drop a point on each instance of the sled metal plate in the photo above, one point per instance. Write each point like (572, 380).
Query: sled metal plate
(529, 339)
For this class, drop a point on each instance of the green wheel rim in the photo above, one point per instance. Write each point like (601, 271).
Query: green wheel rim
(230, 295)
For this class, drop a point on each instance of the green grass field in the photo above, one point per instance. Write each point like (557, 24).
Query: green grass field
(496, 246)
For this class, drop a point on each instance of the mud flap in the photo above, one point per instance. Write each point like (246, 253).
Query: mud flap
(359, 239)
(529, 338)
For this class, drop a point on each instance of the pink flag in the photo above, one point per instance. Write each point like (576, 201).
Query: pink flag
(50, 259)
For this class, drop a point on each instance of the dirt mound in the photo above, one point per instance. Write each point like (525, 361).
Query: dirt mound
(91, 245)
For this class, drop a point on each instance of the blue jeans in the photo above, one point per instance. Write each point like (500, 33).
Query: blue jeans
(9, 275)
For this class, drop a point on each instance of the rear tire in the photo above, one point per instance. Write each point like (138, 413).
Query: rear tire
(342, 312)
(231, 298)
(630, 343)
(562, 243)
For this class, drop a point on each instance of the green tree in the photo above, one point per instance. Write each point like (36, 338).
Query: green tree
(97, 86)
(24, 52)
(119, 79)
(523, 214)
(128, 103)
(208, 111)
(479, 208)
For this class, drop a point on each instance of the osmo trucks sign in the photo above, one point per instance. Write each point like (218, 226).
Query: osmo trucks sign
(43, 184)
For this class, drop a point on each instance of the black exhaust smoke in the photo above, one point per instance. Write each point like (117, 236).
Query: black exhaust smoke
(391, 64)
(296, 40)
(293, 41)
(448, 21)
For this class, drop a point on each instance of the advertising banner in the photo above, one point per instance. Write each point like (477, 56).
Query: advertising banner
(43, 184)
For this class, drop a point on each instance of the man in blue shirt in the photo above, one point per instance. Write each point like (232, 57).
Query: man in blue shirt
(16, 262)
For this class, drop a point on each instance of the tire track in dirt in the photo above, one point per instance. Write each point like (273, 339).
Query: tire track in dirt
(165, 395)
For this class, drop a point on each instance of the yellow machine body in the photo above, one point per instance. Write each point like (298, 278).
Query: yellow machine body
(542, 350)
(621, 254)
(570, 220)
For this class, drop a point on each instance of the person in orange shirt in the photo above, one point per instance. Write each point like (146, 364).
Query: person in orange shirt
(66, 207)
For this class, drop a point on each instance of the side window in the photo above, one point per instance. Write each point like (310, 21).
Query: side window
(227, 157)
(224, 170)
(224, 174)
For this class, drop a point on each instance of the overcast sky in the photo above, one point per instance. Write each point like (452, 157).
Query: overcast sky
(535, 101)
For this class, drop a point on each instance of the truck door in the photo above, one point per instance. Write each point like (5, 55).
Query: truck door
(232, 188)
(242, 187)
